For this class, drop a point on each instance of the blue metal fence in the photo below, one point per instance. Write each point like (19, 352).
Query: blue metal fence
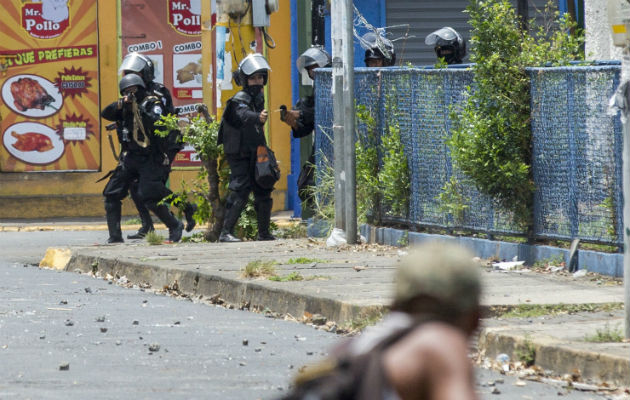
(576, 147)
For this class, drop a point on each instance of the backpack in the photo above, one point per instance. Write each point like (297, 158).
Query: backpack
(347, 377)
(267, 171)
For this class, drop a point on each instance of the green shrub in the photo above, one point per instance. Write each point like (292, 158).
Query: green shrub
(491, 140)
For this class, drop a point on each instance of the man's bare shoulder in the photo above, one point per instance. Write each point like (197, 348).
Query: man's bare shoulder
(429, 359)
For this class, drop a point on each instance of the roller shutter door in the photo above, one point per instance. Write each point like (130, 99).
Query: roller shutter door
(423, 18)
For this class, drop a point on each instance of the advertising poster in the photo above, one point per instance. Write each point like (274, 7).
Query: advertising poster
(169, 33)
(49, 100)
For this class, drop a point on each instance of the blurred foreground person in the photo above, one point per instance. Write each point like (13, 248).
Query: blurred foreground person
(420, 349)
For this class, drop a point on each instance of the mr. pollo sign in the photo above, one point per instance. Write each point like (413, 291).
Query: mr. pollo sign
(45, 20)
(185, 16)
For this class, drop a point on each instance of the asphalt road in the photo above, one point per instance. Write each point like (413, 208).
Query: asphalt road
(69, 336)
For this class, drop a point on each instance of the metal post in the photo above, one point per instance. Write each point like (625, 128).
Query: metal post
(626, 211)
(349, 114)
(626, 222)
(338, 116)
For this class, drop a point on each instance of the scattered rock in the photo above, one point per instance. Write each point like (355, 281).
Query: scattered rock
(245, 342)
(242, 364)
(103, 330)
(520, 383)
(135, 322)
(88, 290)
(64, 367)
(153, 347)
(100, 319)
(318, 319)
(63, 302)
(359, 267)
(69, 322)
(257, 349)
(496, 390)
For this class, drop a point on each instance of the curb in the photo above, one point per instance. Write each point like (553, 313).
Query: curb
(560, 357)
(594, 261)
(551, 354)
(240, 293)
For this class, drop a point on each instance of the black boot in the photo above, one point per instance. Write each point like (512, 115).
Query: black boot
(189, 211)
(235, 206)
(145, 216)
(113, 211)
(263, 217)
(175, 226)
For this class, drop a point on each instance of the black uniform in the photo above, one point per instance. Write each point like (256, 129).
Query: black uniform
(143, 159)
(173, 145)
(305, 126)
(241, 132)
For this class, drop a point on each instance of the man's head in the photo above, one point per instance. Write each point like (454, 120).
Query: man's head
(313, 57)
(254, 67)
(379, 51)
(447, 44)
(131, 84)
(138, 64)
(439, 279)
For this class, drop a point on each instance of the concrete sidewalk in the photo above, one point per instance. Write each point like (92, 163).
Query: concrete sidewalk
(352, 285)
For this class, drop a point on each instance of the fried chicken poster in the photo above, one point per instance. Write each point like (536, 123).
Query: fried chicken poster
(49, 86)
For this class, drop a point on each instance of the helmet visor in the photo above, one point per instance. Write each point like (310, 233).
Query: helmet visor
(133, 62)
(252, 63)
(312, 56)
(446, 33)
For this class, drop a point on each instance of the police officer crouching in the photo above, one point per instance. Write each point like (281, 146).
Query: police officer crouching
(143, 157)
(241, 132)
(141, 65)
(447, 44)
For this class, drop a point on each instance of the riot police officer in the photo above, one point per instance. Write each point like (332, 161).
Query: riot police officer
(143, 157)
(141, 65)
(302, 118)
(379, 51)
(448, 44)
(241, 132)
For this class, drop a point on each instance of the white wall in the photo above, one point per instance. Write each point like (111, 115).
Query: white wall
(598, 40)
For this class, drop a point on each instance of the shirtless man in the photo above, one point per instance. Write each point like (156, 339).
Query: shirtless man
(420, 349)
(439, 285)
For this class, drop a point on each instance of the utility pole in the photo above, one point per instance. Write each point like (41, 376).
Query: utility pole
(343, 117)
(619, 21)
(337, 28)
(348, 125)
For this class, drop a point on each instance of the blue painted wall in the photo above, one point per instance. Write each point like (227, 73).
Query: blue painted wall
(374, 13)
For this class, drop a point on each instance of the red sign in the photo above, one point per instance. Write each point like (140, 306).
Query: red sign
(73, 82)
(46, 20)
(185, 16)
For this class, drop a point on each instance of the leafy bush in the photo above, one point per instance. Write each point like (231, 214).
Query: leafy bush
(393, 177)
(209, 190)
(491, 142)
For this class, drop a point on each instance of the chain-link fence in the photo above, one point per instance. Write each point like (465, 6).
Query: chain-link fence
(576, 148)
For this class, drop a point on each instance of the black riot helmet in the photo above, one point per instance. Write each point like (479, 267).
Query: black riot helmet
(448, 44)
(314, 56)
(254, 63)
(377, 47)
(138, 63)
(130, 80)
